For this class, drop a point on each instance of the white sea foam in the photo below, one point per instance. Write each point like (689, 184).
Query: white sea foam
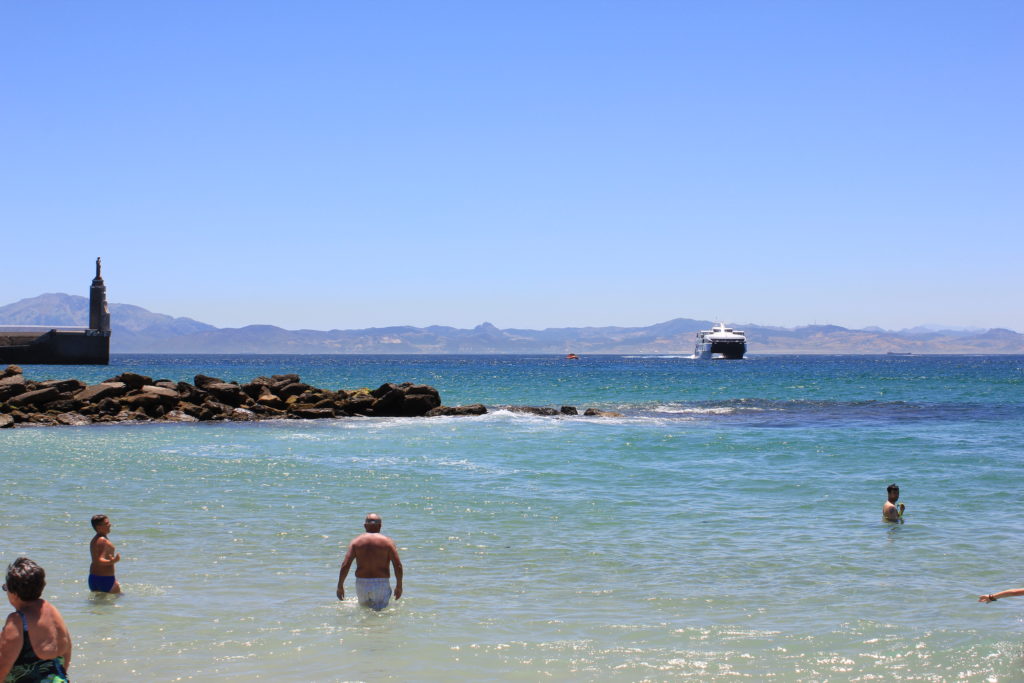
(692, 410)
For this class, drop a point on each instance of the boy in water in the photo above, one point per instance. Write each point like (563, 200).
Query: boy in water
(104, 557)
(890, 512)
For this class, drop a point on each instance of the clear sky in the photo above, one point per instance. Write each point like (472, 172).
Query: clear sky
(332, 164)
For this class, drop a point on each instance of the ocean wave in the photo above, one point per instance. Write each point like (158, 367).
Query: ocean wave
(739, 411)
(676, 409)
(752, 411)
(784, 412)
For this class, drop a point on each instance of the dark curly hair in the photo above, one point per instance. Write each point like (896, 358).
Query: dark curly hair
(97, 520)
(26, 579)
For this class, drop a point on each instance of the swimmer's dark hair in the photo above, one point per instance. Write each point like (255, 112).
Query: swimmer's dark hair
(891, 487)
(97, 520)
(26, 579)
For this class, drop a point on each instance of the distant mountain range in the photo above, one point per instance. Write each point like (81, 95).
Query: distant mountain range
(136, 330)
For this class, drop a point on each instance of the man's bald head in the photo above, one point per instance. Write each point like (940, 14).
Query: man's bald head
(372, 522)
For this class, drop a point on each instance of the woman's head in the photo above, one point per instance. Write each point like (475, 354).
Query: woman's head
(26, 579)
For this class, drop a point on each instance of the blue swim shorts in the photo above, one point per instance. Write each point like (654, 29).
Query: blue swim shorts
(101, 584)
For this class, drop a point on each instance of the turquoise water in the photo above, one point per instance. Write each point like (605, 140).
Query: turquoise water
(726, 527)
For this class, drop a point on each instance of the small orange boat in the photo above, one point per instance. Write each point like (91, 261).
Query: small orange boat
(572, 356)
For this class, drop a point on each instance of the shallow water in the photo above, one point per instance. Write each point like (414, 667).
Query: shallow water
(727, 526)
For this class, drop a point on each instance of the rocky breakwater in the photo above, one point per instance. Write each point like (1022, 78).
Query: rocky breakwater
(131, 397)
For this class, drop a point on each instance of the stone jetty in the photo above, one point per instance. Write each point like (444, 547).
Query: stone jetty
(130, 397)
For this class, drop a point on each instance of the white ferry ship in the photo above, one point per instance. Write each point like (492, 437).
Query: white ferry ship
(720, 342)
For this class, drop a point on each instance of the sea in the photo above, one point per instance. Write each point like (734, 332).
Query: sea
(727, 526)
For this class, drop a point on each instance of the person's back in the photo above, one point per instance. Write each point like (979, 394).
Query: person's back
(47, 632)
(374, 555)
(35, 645)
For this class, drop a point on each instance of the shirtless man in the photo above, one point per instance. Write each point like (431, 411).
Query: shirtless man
(104, 557)
(373, 553)
(890, 512)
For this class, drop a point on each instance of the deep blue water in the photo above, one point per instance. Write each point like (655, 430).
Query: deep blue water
(788, 383)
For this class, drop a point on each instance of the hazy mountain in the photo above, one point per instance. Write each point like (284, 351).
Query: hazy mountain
(136, 330)
(942, 328)
(132, 327)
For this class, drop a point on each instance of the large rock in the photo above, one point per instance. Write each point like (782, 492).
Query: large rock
(189, 393)
(8, 380)
(312, 413)
(153, 400)
(11, 370)
(390, 405)
(98, 392)
(73, 419)
(179, 416)
(225, 392)
(254, 388)
(359, 403)
(190, 409)
(134, 380)
(391, 399)
(594, 412)
(6, 421)
(422, 390)
(108, 406)
(32, 398)
(148, 402)
(241, 415)
(212, 410)
(130, 416)
(458, 411)
(418, 405)
(269, 400)
(202, 380)
(281, 380)
(12, 389)
(532, 410)
(417, 400)
(384, 389)
(290, 389)
(64, 405)
(169, 395)
(63, 385)
(266, 411)
(311, 396)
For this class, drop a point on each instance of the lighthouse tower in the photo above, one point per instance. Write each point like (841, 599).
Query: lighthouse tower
(99, 315)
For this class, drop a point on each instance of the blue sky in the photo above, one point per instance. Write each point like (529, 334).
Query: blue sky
(532, 164)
